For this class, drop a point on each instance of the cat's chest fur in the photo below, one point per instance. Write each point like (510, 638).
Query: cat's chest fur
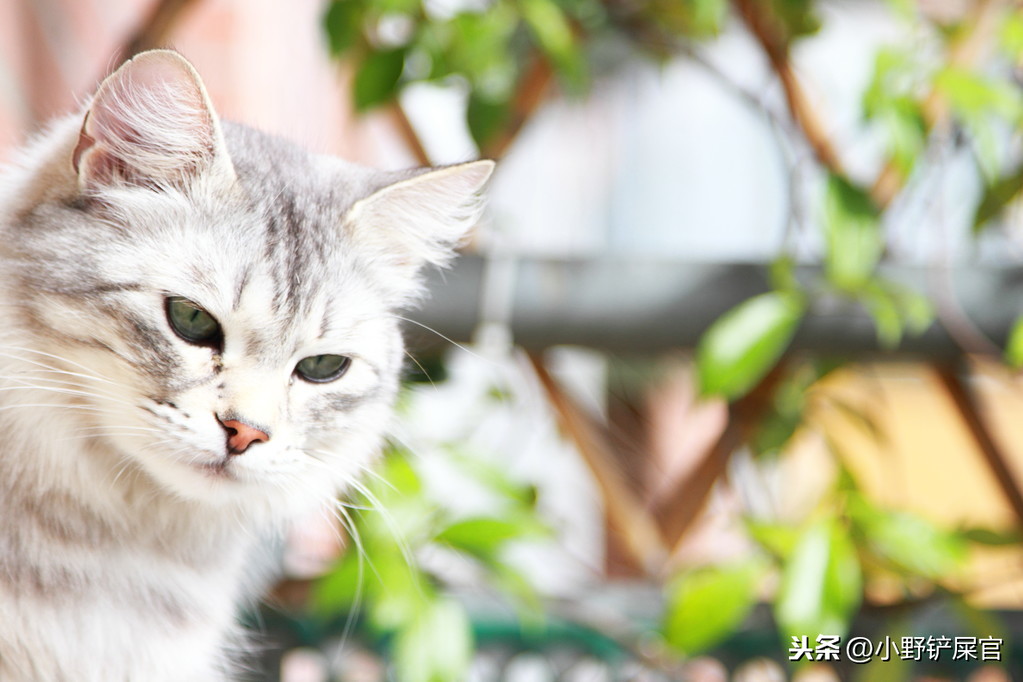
(200, 345)
(109, 586)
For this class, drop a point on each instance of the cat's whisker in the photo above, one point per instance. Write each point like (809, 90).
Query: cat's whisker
(59, 406)
(126, 463)
(179, 268)
(64, 391)
(421, 368)
(399, 538)
(88, 370)
(36, 369)
(147, 429)
(361, 558)
(459, 346)
(60, 384)
(117, 432)
(359, 466)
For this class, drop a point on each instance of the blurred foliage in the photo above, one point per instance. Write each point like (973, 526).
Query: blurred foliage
(746, 342)
(492, 47)
(921, 98)
(380, 583)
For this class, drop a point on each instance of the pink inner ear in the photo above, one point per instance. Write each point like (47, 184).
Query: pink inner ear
(148, 125)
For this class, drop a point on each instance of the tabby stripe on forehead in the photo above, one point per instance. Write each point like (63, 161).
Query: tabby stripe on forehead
(239, 289)
(84, 290)
(285, 233)
(298, 261)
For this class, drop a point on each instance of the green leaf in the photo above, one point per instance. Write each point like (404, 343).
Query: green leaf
(376, 81)
(908, 541)
(997, 195)
(853, 235)
(991, 537)
(690, 19)
(402, 481)
(782, 274)
(1011, 35)
(778, 539)
(787, 406)
(480, 49)
(396, 591)
(436, 646)
(343, 24)
(895, 309)
(381, 7)
(797, 17)
(486, 119)
(893, 102)
(822, 582)
(553, 33)
(886, 314)
(519, 495)
(971, 94)
(1014, 345)
(744, 343)
(483, 537)
(904, 9)
(904, 125)
(337, 591)
(706, 605)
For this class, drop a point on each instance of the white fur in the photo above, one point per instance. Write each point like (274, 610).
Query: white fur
(123, 554)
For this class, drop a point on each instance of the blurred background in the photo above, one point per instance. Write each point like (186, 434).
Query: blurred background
(730, 369)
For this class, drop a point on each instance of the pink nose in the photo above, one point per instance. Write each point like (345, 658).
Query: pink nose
(240, 436)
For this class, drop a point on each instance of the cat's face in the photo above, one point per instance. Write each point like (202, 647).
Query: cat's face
(227, 300)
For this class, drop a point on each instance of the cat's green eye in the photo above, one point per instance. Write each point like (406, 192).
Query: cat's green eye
(322, 368)
(191, 322)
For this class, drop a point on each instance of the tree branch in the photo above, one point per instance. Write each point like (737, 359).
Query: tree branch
(408, 133)
(682, 508)
(528, 97)
(968, 406)
(627, 515)
(964, 51)
(765, 30)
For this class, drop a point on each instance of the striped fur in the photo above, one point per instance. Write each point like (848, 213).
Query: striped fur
(129, 537)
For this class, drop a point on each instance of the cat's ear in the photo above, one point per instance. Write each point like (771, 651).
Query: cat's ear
(151, 123)
(421, 219)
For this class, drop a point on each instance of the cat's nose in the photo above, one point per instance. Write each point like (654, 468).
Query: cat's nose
(241, 435)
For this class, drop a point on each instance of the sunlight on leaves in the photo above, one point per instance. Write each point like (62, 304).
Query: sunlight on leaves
(853, 235)
(907, 541)
(706, 605)
(376, 81)
(1014, 345)
(744, 343)
(437, 647)
(822, 582)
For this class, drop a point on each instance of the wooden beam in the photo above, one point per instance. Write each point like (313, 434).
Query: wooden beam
(967, 403)
(629, 517)
(680, 510)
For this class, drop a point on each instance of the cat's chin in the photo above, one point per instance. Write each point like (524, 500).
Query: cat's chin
(215, 481)
(221, 470)
(227, 482)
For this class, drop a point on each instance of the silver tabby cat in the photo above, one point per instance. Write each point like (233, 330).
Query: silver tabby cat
(199, 342)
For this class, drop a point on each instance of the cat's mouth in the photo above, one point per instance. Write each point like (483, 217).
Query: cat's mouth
(219, 469)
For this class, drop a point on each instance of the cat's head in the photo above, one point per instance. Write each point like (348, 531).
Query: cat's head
(222, 303)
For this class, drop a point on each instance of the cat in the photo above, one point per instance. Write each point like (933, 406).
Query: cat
(200, 343)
